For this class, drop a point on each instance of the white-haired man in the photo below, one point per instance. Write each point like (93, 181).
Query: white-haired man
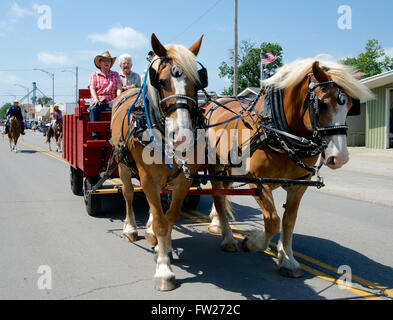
(128, 78)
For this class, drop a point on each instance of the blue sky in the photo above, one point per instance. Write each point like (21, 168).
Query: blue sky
(82, 29)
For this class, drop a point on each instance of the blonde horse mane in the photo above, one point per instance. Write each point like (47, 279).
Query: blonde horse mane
(290, 75)
(182, 58)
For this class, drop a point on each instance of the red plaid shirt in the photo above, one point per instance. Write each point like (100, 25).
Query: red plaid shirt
(106, 85)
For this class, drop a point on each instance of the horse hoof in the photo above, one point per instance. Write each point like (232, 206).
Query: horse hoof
(229, 247)
(130, 237)
(214, 229)
(161, 284)
(151, 238)
(288, 273)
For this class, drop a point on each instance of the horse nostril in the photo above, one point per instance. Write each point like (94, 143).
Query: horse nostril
(332, 161)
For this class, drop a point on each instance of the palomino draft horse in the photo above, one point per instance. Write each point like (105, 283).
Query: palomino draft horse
(167, 103)
(307, 103)
(55, 133)
(14, 132)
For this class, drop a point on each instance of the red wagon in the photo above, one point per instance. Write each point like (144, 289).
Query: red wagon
(88, 158)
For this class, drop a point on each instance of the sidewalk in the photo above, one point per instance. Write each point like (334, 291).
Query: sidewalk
(368, 176)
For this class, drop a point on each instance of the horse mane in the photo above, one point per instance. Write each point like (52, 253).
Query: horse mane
(290, 75)
(182, 58)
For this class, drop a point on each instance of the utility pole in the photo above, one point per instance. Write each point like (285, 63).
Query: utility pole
(235, 53)
(262, 69)
(76, 82)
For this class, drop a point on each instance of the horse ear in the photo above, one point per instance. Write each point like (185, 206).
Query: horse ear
(196, 46)
(157, 47)
(319, 74)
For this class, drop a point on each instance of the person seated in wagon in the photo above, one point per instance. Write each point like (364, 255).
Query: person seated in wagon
(128, 78)
(55, 115)
(14, 111)
(105, 85)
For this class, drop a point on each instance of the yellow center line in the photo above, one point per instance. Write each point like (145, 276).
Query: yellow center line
(382, 289)
(360, 292)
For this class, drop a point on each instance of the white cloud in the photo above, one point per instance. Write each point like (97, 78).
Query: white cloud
(6, 78)
(121, 38)
(54, 59)
(17, 12)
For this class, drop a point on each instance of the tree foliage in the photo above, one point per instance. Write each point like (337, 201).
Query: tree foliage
(249, 68)
(4, 109)
(44, 100)
(372, 61)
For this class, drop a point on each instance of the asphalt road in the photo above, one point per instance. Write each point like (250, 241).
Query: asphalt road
(51, 249)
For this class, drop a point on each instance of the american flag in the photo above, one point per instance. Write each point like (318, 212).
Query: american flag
(267, 58)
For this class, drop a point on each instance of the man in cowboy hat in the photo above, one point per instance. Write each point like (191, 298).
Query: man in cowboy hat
(105, 85)
(14, 111)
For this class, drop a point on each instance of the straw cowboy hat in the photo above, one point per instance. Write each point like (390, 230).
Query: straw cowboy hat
(106, 54)
(16, 101)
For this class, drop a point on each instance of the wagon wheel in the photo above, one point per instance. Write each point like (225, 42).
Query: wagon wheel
(92, 201)
(76, 181)
(191, 202)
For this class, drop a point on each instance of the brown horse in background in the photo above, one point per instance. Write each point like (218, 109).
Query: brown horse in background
(14, 132)
(334, 89)
(55, 133)
(171, 90)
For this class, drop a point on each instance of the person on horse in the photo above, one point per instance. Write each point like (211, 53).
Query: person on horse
(55, 115)
(14, 111)
(105, 85)
(128, 78)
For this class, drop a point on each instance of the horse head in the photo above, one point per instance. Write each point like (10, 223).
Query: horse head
(173, 83)
(318, 95)
(335, 91)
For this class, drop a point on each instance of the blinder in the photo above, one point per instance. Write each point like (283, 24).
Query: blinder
(202, 82)
(312, 103)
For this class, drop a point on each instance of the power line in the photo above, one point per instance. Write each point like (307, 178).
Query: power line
(204, 14)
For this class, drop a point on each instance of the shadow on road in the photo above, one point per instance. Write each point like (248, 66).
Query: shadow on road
(253, 275)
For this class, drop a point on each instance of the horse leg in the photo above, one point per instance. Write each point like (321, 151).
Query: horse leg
(259, 240)
(48, 138)
(220, 220)
(289, 267)
(149, 233)
(130, 232)
(164, 277)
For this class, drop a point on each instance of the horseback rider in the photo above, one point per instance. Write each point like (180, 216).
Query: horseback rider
(55, 115)
(14, 111)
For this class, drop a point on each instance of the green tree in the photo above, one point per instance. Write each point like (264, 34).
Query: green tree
(44, 100)
(372, 61)
(249, 69)
(4, 109)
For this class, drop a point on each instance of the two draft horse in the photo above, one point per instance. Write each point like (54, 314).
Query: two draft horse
(166, 104)
(56, 133)
(14, 132)
(307, 99)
